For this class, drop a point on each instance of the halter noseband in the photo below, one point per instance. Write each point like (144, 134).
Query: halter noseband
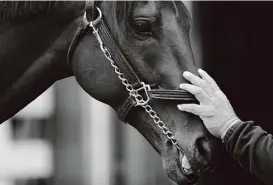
(140, 93)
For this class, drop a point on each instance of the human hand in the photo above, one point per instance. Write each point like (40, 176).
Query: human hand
(214, 109)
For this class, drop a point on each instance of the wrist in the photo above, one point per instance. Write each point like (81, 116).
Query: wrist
(228, 126)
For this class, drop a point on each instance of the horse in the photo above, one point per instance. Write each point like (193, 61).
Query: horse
(128, 55)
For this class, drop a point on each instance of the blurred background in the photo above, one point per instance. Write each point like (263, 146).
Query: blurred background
(65, 137)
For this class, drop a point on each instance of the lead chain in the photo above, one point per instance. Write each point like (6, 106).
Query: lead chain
(134, 93)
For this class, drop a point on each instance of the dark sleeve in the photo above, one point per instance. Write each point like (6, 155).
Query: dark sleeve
(252, 147)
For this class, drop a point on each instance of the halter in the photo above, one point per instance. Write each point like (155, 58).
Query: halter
(139, 92)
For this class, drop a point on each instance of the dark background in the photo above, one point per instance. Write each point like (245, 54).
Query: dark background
(237, 41)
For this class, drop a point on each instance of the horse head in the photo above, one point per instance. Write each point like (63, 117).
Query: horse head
(153, 37)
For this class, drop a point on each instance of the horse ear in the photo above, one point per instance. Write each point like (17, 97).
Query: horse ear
(91, 10)
(188, 4)
(183, 6)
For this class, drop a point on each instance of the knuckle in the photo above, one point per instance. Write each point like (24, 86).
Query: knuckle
(186, 86)
(198, 90)
(211, 109)
(221, 95)
(193, 109)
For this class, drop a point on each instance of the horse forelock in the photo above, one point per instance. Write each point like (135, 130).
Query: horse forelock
(118, 13)
(10, 10)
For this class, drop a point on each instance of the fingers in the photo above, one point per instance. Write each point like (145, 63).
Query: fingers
(199, 93)
(198, 110)
(191, 108)
(206, 83)
(208, 78)
(195, 80)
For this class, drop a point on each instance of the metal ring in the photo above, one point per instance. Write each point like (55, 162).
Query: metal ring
(96, 21)
(100, 13)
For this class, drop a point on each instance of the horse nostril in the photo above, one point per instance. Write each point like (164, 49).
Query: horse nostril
(202, 146)
(203, 153)
(192, 178)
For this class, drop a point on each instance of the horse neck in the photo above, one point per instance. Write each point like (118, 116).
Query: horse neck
(33, 55)
(24, 41)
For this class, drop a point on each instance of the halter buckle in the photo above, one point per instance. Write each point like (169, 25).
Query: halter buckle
(143, 101)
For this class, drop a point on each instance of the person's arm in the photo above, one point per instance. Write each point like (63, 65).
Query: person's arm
(252, 147)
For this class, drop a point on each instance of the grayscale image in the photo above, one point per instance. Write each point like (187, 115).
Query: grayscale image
(136, 92)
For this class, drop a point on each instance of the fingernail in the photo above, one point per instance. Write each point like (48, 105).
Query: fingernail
(186, 73)
(201, 70)
(179, 107)
(181, 86)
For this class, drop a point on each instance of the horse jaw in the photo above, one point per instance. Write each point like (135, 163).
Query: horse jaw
(174, 161)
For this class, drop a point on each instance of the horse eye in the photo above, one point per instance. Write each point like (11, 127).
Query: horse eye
(143, 27)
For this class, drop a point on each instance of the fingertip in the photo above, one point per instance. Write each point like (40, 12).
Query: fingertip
(186, 73)
(179, 106)
(200, 71)
(181, 86)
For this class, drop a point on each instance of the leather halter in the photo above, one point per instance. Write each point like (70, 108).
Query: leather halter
(92, 16)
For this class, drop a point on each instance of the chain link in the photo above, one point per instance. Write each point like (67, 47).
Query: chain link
(134, 93)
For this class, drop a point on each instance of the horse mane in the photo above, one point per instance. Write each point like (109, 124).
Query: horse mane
(10, 10)
(118, 13)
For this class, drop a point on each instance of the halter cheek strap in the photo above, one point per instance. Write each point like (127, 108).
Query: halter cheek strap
(107, 42)
(91, 11)
(82, 30)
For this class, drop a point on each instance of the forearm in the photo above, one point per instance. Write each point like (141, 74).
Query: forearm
(253, 148)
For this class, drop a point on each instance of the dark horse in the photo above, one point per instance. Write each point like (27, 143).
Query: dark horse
(153, 36)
